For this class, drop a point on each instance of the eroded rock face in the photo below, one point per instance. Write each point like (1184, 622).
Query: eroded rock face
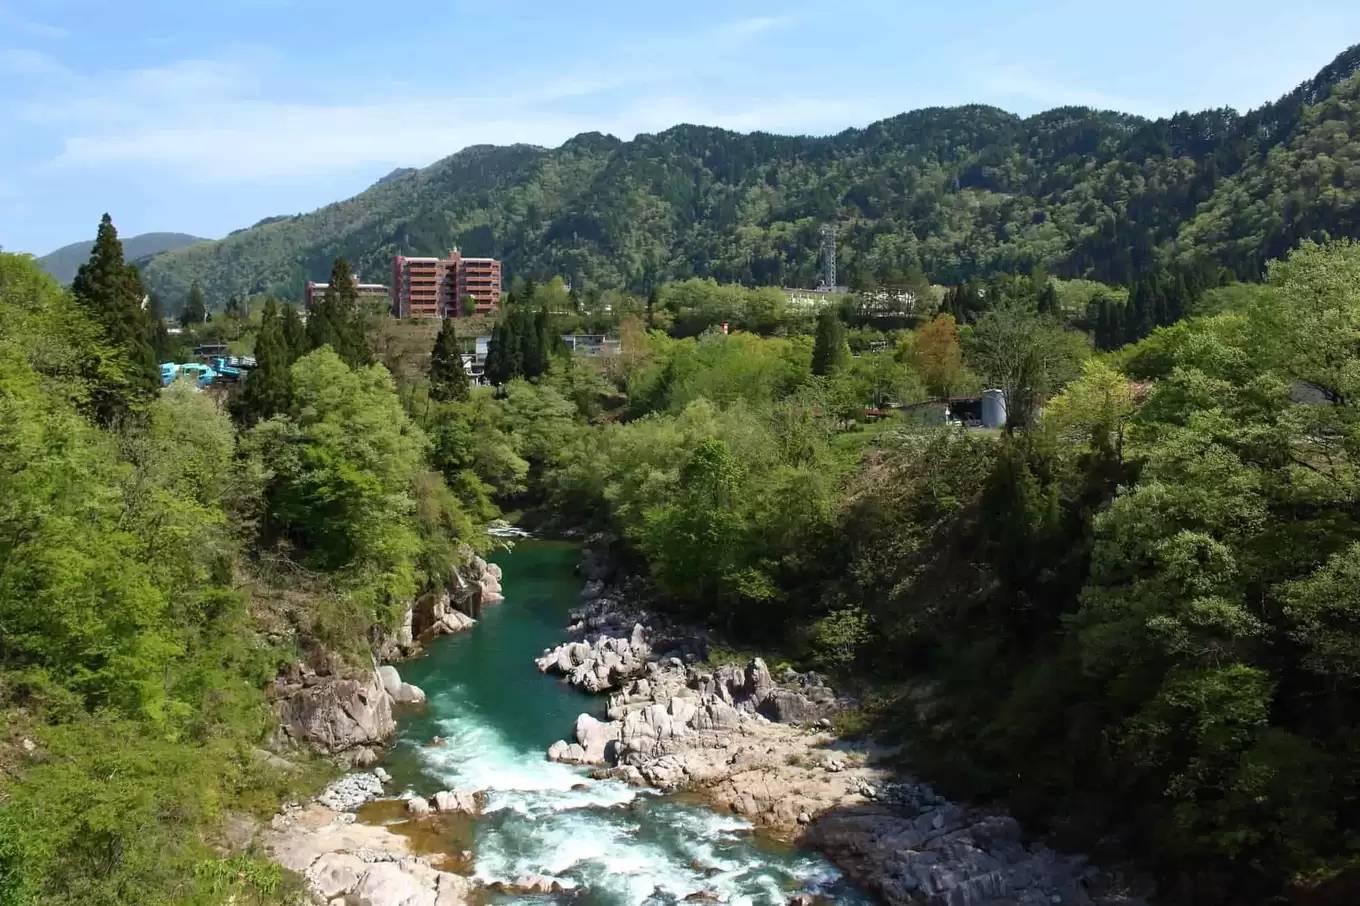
(438, 614)
(336, 715)
(600, 663)
(459, 802)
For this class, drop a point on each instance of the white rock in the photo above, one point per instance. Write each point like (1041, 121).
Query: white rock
(408, 694)
(383, 776)
(385, 884)
(335, 874)
(418, 805)
(391, 679)
(457, 801)
(594, 737)
(350, 792)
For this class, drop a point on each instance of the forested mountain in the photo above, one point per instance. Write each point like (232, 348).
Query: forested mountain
(65, 261)
(954, 191)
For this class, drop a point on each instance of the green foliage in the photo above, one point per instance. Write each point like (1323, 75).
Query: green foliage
(448, 379)
(195, 308)
(110, 289)
(338, 321)
(953, 193)
(1132, 614)
(830, 353)
(341, 467)
(125, 655)
(268, 388)
(1025, 355)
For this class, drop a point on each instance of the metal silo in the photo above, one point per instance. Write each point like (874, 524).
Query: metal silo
(993, 409)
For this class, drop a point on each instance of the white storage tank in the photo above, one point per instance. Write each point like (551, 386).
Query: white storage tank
(993, 409)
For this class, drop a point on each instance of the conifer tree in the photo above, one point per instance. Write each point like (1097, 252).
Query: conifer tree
(448, 379)
(653, 300)
(111, 290)
(268, 388)
(1138, 321)
(195, 310)
(1107, 327)
(830, 352)
(543, 342)
(494, 366)
(294, 334)
(158, 336)
(529, 363)
(337, 320)
(1048, 298)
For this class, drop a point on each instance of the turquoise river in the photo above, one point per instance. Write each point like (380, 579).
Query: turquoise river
(607, 843)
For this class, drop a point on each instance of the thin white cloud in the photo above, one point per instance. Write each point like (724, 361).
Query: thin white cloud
(219, 122)
(1010, 80)
(10, 19)
(28, 63)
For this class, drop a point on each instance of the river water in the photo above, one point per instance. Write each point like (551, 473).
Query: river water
(609, 843)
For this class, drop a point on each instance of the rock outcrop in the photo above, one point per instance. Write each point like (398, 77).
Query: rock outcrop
(402, 693)
(437, 614)
(458, 802)
(338, 715)
(356, 864)
(761, 748)
(914, 847)
(600, 663)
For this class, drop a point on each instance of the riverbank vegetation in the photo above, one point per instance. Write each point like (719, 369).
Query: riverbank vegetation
(1129, 615)
(163, 555)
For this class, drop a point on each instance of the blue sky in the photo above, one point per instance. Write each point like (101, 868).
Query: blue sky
(203, 116)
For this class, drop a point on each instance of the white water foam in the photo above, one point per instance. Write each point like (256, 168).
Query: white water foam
(626, 846)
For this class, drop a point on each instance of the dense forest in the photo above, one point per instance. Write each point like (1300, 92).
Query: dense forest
(1128, 616)
(954, 193)
(1131, 616)
(163, 557)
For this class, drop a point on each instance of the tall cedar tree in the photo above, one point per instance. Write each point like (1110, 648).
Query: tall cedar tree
(527, 363)
(159, 335)
(337, 320)
(494, 366)
(1048, 298)
(294, 333)
(195, 310)
(830, 353)
(546, 348)
(448, 379)
(268, 389)
(111, 290)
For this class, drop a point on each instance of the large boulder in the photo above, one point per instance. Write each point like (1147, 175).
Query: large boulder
(391, 679)
(788, 707)
(335, 875)
(596, 738)
(339, 714)
(459, 802)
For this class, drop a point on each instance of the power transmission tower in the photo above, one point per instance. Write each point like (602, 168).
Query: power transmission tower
(829, 232)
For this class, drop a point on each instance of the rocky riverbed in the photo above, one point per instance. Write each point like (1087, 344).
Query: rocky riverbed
(350, 716)
(761, 747)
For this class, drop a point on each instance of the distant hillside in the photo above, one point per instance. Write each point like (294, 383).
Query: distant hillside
(65, 261)
(956, 192)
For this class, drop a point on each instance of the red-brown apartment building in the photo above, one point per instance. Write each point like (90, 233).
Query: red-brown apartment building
(435, 287)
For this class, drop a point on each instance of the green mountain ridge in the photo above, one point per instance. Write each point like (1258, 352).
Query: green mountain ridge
(955, 191)
(65, 261)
